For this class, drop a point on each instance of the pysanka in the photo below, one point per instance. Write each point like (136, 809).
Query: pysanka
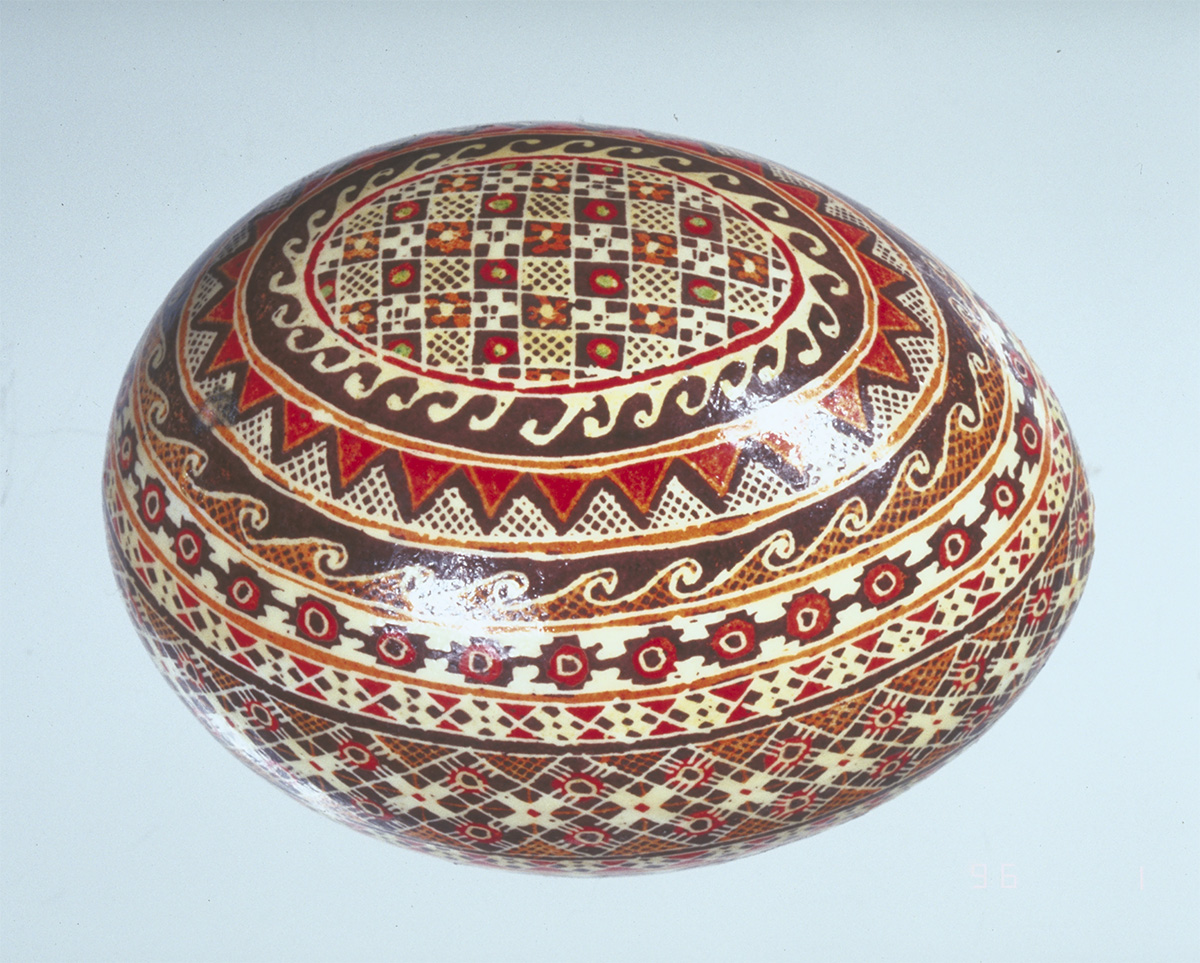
(581, 500)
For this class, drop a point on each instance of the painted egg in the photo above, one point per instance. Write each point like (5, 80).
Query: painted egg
(582, 500)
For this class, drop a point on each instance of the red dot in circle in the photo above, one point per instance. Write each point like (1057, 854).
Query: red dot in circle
(153, 503)
(954, 548)
(317, 621)
(809, 615)
(395, 648)
(482, 663)
(606, 282)
(733, 639)
(188, 546)
(244, 594)
(883, 582)
(655, 659)
(568, 665)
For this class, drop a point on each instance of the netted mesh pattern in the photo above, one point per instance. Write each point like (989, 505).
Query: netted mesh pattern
(447, 274)
(546, 275)
(759, 487)
(372, 496)
(888, 406)
(358, 282)
(653, 216)
(310, 469)
(654, 284)
(255, 432)
(885, 252)
(647, 351)
(369, 218)
(447, 349)
(455, 206)
(742, 233)
(552, 348)
(216, 384)
(548, 207)
(448, 515)
(843, 213)
(915, 303)
(922, 356)
(524, 521)
(603, 518)
(206, 289)
(748, 301)
(194, 352)
(678, 508)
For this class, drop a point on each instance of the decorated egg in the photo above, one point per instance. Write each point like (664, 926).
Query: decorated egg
(583, 500)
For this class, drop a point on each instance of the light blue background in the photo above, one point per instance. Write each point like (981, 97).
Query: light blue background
(1049, 153)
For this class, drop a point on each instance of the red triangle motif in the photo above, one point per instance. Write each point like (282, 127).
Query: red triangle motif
(891, 318)
(845, 403)
(563, 492)
(244, 639)
(975, 583)
(353, 454)
(740, 712)
(492, 484)
(715, 465)
(665, 729)
(745, 163)
(424, 475)
(807, 198)
(586, 713)
(926, 614)
(223, 311)
(445, 701)
(851, 233)
(254, 390)
(985, 601)
(883, 360)
(231, 352)
(265, 222)
(311, 691)
(879, 274)
(233, 267)
(374, 687)
(642, 481)
(298, 425)
(811, 689)
(732, 692)
(516, 710)
(867, 644)
(308, 668)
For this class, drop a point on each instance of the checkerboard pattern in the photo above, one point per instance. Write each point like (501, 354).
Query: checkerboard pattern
(548, 270)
